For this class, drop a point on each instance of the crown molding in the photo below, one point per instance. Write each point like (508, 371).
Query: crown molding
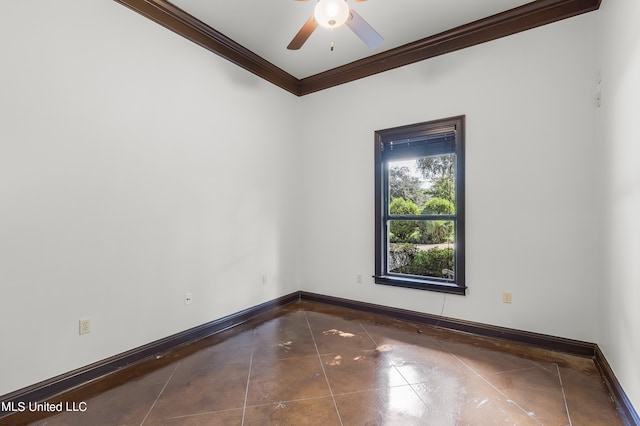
(526, 17)
(191, 28)
(522, 18)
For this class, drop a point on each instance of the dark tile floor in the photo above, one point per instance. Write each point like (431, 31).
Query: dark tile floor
(310, 364)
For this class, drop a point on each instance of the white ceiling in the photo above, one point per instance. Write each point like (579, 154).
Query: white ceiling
(267, 26)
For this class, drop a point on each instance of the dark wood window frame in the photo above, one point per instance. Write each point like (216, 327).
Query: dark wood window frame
(425, 130)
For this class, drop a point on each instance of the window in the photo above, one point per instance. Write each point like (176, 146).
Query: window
(420, 206)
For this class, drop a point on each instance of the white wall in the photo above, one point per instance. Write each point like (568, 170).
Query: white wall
(134, 166)
(533, 173)
(619, 335)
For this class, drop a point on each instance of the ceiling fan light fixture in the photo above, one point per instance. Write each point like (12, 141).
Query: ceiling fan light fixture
(331, 13)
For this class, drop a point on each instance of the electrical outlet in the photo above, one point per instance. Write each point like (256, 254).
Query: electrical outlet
(359, 278)
(84, 326)
(188, 298)
(264, 279)
(506, 297)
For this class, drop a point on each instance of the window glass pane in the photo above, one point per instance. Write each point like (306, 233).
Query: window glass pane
(421, 247)
(422, 186)
(419, 193)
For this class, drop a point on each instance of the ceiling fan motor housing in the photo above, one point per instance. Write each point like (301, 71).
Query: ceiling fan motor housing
(331, 13)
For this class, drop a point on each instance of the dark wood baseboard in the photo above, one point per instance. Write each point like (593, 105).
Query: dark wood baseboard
(49, 388)
(558, 344)
(59, 384)
(624, 406)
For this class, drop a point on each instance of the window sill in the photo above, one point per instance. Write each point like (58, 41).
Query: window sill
(420, 284)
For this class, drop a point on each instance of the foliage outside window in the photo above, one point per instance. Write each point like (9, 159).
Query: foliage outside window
(420, 206)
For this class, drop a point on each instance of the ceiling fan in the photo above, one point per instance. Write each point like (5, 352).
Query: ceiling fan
(333, 14)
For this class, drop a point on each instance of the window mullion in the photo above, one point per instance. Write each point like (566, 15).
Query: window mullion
(417, 249)
(390, 216)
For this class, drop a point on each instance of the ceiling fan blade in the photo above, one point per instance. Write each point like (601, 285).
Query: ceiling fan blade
(363, 30)
(303, 34)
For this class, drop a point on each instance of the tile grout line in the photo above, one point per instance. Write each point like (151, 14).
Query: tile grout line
(387, 333)
(160, 394)
(367, 333)
(564, 396)
(323, 370)
(395, 367)
(515, 370)
(246, 391)
(268, 404)
(204, 413)
(527, 413)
